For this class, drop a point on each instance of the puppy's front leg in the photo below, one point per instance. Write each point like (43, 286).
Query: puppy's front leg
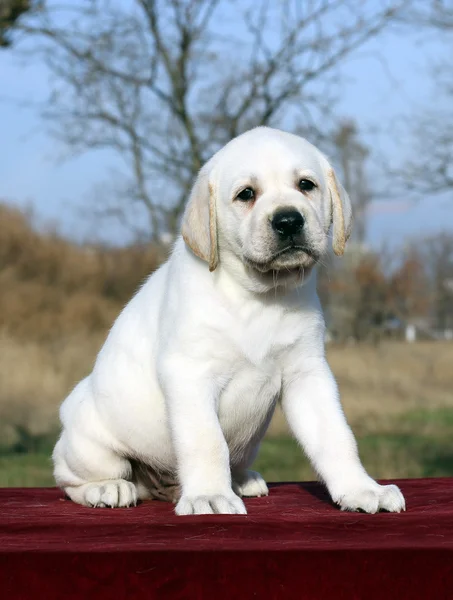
(201, 450)
(313, 410)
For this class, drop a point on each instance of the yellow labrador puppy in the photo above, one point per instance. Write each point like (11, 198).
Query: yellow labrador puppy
(185, 386)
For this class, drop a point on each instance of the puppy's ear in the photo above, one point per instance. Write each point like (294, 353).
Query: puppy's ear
(341, 212)
(199, 225)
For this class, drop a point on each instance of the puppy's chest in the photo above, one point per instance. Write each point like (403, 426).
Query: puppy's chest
(248, 400)
(261, 339)
(255, 345)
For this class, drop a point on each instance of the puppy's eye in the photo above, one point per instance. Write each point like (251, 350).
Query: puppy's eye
(246, 195)
(305, 185)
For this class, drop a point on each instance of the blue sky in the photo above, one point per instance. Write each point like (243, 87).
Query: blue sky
(382, 84)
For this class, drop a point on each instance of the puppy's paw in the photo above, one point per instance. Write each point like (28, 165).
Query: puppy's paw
(114, 493)
(250, 484)
(391, 498)
(221, 504)
(371, 497)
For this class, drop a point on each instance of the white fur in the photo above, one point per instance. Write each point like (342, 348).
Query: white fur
(191, 371)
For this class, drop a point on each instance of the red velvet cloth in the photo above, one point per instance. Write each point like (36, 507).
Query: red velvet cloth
(292, 544)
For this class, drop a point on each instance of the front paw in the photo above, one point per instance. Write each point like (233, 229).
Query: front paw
(370, 497)
(250, 484)
(209, 504)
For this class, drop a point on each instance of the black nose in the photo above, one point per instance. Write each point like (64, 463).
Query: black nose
(287, 222)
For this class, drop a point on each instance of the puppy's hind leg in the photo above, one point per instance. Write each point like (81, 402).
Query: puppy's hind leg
(91, 474)
(246, 483)
(87, 465)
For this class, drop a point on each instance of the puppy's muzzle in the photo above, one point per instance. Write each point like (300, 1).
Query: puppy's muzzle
(287, 223)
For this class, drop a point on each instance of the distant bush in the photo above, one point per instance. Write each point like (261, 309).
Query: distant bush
(51, 286)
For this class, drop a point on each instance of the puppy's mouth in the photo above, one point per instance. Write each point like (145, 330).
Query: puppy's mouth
(289, 261)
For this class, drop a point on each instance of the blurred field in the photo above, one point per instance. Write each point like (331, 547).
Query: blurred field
(58, 299)
(397, 398)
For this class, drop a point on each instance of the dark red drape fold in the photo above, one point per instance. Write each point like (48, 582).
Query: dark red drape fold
(292, 544)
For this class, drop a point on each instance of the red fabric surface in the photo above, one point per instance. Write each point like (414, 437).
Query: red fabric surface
(292, 544)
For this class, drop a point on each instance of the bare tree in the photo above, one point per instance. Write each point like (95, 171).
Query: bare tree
(429, 168)
(357, 293)
(163, 83)
(338, 280)
(438, 256)
(437, 14)
(351, 155)
(409, 289)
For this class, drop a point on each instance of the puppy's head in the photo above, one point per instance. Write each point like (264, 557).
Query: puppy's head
(268, 198)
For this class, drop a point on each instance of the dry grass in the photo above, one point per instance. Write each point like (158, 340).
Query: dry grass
(57, 301)
(52, 288)
(404, 423)
(35, 377)
(398, 399)
(379, 384)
